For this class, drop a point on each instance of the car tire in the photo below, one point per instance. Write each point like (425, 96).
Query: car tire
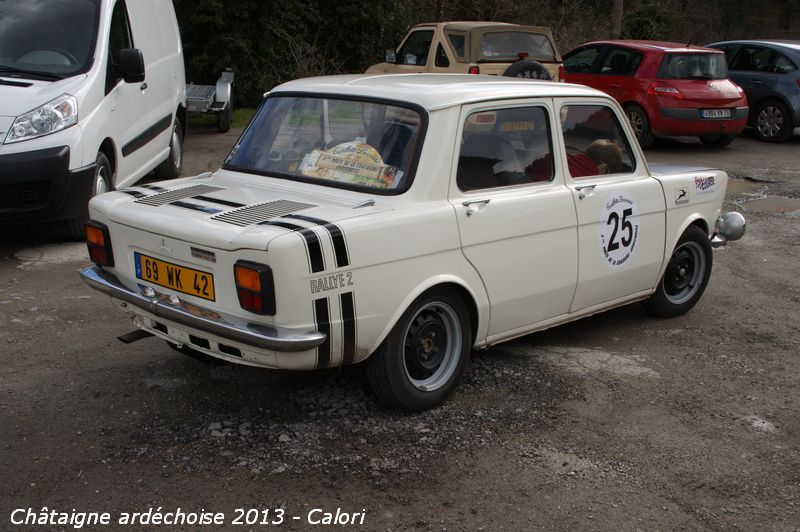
(225, 118)
(717, 141)
(171, 167)
(686, 276)
(528, 69)
(423, 358)
(773, 122)
(640, 124)
(102, 182)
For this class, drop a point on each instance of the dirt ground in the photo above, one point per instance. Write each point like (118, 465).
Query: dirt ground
(619, 421)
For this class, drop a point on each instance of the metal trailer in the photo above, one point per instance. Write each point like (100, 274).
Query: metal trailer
(216, 99)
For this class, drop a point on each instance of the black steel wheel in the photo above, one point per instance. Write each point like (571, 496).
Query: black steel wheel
(422, 360)
(685, 277)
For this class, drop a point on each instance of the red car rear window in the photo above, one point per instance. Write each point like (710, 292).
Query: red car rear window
(693, 66)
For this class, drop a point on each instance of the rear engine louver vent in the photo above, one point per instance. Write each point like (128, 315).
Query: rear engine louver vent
(261, 212)
(162, 198)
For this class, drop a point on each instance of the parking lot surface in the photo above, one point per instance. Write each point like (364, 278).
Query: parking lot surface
(618, 421)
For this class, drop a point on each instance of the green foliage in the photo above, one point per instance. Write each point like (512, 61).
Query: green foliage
(650, 19)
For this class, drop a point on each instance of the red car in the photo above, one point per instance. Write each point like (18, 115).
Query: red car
(667, 89)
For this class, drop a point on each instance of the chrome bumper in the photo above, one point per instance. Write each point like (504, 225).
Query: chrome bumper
(181, 312)
(730, 226)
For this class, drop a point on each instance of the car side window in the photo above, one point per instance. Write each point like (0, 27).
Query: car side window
(621, 62)
(752, 59)
(595, 142)
(780, 64)
(505, 147)
(441, 57)
(119, 38)
(458, 42)
(582, 60)
(415, 49)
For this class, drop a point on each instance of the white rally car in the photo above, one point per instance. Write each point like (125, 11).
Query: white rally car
(404, 220)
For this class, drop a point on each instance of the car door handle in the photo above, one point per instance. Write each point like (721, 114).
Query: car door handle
(470, 203)
(143, 86)
(581, 188)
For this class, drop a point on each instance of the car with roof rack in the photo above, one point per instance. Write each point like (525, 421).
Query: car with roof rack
(402, 221)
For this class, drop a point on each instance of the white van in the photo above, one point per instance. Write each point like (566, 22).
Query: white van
(92, 98)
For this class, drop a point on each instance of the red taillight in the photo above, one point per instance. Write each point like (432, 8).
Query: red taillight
(561, 74)
(523, 55)
(255, 287)
(98, 242)
(474, 70)
(662, 88)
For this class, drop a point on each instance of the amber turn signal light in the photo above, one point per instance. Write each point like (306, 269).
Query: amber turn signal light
(255, 287)
(98, 243)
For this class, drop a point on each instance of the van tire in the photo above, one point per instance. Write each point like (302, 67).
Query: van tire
(171, 167)
(103, 178)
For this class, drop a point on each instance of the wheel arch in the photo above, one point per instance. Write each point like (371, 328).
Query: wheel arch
(182, 116)
(476, 305)
(772, 97)
(695, 219)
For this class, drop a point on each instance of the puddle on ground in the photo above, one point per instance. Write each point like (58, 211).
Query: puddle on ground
(774, 205)
(743, 185)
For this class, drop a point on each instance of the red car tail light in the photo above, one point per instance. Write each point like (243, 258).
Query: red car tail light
(474, 70)
(662, 88)
(98, 242)
(561, 74)
(255, 287)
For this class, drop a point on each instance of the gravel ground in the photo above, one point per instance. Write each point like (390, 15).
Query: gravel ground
(618, 421)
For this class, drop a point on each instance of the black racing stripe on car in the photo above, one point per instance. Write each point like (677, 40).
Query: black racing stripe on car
(218, 201)
(322, 319)
(316, 262)
(153, 187)
(134, 193)
(337, 236)
(314, 250)
(348, 308)
(195, 207)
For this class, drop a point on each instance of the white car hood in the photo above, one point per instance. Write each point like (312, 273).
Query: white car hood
(226, 211)
(16, 100)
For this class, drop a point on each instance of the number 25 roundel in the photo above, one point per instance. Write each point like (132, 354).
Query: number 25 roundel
(619, 229)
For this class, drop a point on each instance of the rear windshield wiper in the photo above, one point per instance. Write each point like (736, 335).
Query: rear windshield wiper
(36, 75)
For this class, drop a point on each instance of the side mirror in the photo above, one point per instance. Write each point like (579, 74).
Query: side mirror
(391, 56)
(131, 65)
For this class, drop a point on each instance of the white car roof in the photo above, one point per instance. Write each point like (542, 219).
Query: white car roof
(435, 91)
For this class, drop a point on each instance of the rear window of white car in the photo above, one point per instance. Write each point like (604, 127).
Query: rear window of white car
(506, 45)
(365, 145)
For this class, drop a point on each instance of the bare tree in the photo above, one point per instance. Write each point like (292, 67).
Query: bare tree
(616, 19)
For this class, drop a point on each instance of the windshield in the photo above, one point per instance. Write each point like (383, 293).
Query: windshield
(47, 37)
(508, 44)
(693, 66)
(363, 145)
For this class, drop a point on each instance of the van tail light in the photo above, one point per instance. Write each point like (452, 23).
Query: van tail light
(662, 88)
(475, 69)
(561, 74)
(98, 242)
(255, 287)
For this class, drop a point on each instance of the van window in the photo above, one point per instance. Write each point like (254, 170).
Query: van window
(48, 38)
(119, 38)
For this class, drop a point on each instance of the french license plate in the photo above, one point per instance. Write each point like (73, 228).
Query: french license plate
(716, 113)
(179, 278)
